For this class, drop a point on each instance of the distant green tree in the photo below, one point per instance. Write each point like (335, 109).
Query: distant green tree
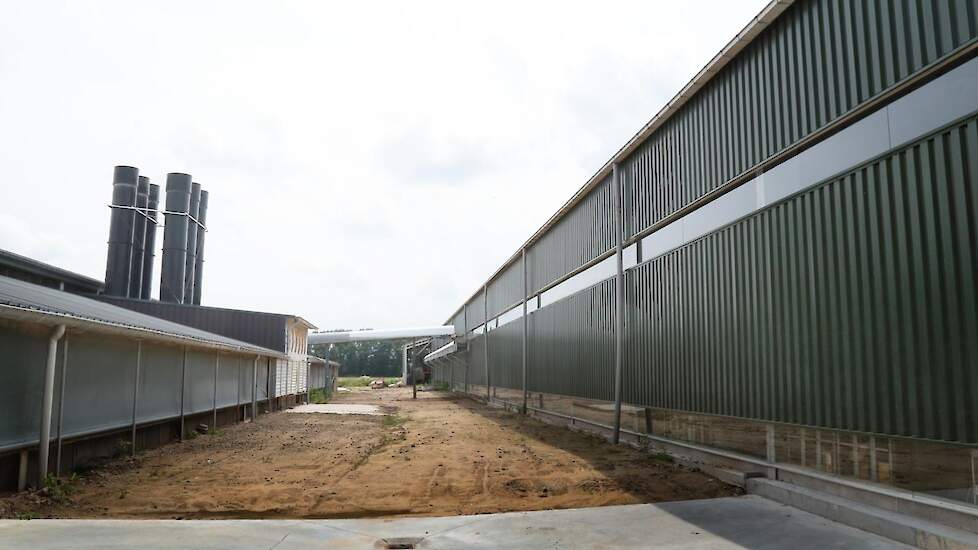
(363, 358)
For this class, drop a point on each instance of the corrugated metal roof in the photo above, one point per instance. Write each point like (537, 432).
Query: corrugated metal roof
(19, 300)
(24, 265)
(256, 327)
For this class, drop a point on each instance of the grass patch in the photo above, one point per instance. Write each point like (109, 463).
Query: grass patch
(364, 381)
(58, 489)
(663, 457)
(25, 515)
(393, 421)
(443, 386)
(319, 396)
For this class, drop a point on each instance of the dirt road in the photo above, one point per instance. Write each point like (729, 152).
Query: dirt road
(434, 456)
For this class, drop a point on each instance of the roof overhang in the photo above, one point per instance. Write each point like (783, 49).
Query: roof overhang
(18, 313)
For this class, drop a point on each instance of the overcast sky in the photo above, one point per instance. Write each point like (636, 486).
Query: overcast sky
(370, 164)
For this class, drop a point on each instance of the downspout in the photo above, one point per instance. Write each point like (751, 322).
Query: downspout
(47, 403)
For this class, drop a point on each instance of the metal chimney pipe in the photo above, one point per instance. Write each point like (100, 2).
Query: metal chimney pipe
(188, 274)
(175, 237)
(199, 267)
(149, 245)
(138, 239)
(118, 262)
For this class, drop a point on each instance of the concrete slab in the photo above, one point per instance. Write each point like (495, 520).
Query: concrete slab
(741, 522)
(372, 410)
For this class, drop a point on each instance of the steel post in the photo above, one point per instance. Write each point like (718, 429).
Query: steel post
(183, 392)
(485, 334)
(217, 368)
(22, 471)
(525, 324)
(414, 379)
(465, 338)
(619, 296)
(135, 396)
(254, 390)
(404, 362)
(237, 403)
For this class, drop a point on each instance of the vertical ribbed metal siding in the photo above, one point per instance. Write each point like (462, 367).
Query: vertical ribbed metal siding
(506, 289)
(506, 355)
(850, 306)
(475, 313)
(477, 360)
(817, 62)
(459, 322)
(571, 343)
(584, 233)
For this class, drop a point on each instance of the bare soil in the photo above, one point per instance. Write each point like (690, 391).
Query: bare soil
(437, 455)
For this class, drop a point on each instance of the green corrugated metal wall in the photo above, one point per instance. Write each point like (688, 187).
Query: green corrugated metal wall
(850, 306)
(571, 342)
(815, 63)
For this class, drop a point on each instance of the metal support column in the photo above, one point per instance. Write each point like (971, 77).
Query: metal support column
(414, 379)
(183, 392)
(237, 404)
(22, 471)
(465, 338)
(619, 296)
(404, 362)
(525, 321)
(217, 368)
(254, 390)
(61, 406)
(485, 334)
(135, 397)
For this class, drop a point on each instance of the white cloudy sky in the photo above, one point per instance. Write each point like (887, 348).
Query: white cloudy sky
(369, 163)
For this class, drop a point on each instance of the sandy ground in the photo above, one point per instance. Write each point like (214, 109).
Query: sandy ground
(437, 455)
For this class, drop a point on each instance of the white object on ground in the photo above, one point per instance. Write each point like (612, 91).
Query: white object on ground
(336, 408)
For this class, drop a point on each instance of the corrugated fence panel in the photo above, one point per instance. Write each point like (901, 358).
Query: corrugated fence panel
(200, 381)
(475, 312)
(459, 322)
(506, 355)
(571, 345)
(506, 289)
(160, 376)
(584, 233)
(818, 61)
(477, 360)
(851, 305)
(21, 380)
(99, 383)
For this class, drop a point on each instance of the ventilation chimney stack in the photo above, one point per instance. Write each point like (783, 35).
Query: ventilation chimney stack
(199, 264)
(149, 244)
(178, 189)
(118, 263)
(188, 274)
(138, 238)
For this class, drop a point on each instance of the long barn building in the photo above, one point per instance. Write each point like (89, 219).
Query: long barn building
(797, 236)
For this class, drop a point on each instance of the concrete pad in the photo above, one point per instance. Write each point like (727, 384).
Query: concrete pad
(739, 522)
(372, 410)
